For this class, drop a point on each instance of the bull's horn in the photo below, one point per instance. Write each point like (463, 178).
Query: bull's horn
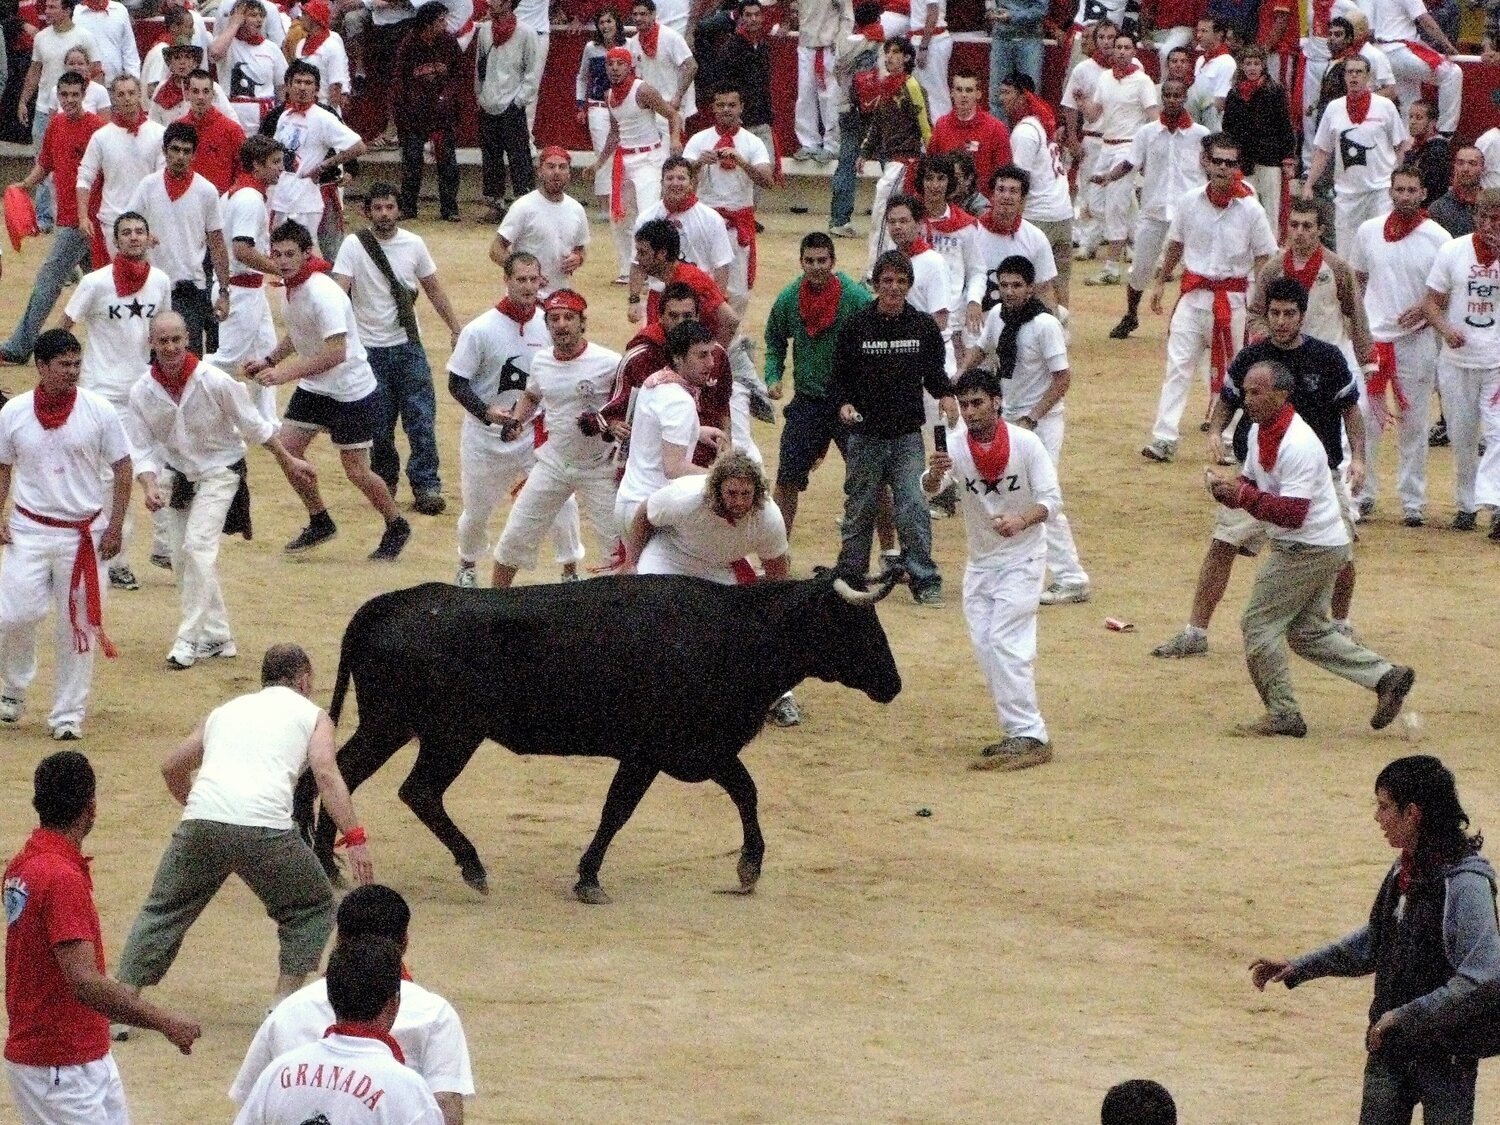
(857, 597)
(888, 583)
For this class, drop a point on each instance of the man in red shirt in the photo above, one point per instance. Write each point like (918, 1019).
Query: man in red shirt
(971, 129)
(57, 999)
(219, 136)
(658, 251)
(62, 149)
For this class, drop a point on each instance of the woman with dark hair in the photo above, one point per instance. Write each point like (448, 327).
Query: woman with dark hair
(1256, 115)
(966, 192)
(590, 91)
(1432, 944)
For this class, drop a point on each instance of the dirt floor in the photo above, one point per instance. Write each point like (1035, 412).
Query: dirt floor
(1037, 938)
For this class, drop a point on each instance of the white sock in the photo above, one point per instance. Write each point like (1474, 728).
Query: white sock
(1195, 632)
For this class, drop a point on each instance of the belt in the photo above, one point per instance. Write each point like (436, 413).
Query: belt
(1087, 133)
(940, 30)
(83, 587)
(1121, 141)
(634, 151)
(592, 102)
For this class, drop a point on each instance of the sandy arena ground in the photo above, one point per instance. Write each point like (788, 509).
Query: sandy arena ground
(1039, 937)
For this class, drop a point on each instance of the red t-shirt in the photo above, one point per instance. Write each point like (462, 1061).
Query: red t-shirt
(61, 154)
(644, 357)
(1179, 13)
(984, 137)
(709, 296)
(219, 139)
(49, 900)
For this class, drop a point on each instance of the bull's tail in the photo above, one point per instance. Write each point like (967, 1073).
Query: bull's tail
(342, 677)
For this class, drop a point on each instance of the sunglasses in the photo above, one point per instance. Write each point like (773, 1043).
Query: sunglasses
(1221, 162)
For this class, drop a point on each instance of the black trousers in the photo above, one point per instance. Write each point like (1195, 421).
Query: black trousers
(195, 307)
(504, 140)
(412, 143)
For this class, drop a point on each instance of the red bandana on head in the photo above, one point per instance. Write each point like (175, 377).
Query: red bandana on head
(1356, 106)
(130, 274)
(1268, 437)
(619, 91)
(648, 40)
(174, 385)
(991, 457)
(317, 11)
(819, 307)
(519, 313)
(1398, 226)
(1308, 274)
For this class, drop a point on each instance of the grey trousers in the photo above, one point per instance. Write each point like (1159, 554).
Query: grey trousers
(1442, 1086)
(276, 865)
(1289, 606)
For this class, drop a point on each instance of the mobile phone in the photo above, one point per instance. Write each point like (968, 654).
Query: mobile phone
(940, 438)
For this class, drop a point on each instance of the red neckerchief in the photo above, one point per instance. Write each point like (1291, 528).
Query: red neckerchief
(655, 333)
(1482, 253)
(1247, 88)
(1398, 226)
(1172, 124)
(619, 91)
(991, 458)
(53, 410)
(175, 386)
(176, 185)
(648, 40)
(365, 1031)
(1268, 437)
(1218, 52)
(873, 32)
(754, 40)
(244, 36)
(919, 245)
(130, 274)
(1308, 274)
(689, 201)
(557, 355)
(1033, 106)
(1356, 106)
(131, 127)
(314, 264)
(246, 180)
(1103, 59)
(96, 5)
(502, 30)
(953, 219)
(992, 224)
(819, 307)
(667, 375)
(1238, 189)
(169, 94)
(1404, 875)
(521, 316)
(1122, 73)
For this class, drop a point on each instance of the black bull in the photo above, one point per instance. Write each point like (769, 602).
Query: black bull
(665, 674)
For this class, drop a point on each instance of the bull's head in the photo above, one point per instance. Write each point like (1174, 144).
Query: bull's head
(844, 641)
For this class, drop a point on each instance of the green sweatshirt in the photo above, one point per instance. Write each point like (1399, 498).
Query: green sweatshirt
(812, 360)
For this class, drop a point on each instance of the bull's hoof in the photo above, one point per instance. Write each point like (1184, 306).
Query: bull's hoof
(591, 894)
(477, 878)
(749, 873)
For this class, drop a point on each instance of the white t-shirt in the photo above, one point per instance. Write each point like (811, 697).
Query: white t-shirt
(427, 1029)
(1028, 241)
(317, 310)
(96, 100)
(692, 539)
(246, 219)
(1080, 84)
(62, 472)
(495, 355)
(566, 388)
(181, 228)
(1041, 353)
(1473, 293)
(1365, 153)
(251, 75)
(960, 263)
(1488, 145)
(372, 1088)
(1301, 472)
(705, 238)
(307, 135)
(1048, 200)
(719, 187)
(374, 307)
(1169, 165)
(663, 72)
(332, 60)
(254, 750)
(124, 160)
(49, 48)
(663, 413)
(551, 231)
(112, 30)
(117, 340)
(1393, 20)
(1029, 479)
(1220, 243)
(1396, 271)
(1127, 103)
(929, 289)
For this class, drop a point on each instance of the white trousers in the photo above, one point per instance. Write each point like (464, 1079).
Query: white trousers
(35, 574)
(817, 112)
(889, 184)
(193, 539)
(933, 75)
(739, 276)
(1470, 412)
(1416, 358)
(1189, 340)
(547, 489)
(1150, 241)
(1266, 179)
(640, 192)
(598, 119)
(1000, 607)
(1117, 200)
(1411, 72)
(543, 45)
(248, 333)
(1352, 208)
(1314, 65)
(1062, 552)
(86, 1094)
(484, 479)
(1089, 199)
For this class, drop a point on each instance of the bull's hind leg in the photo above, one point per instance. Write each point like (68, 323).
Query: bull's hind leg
(740, 786)
(631, 781)
(441, 757)
(370, 746)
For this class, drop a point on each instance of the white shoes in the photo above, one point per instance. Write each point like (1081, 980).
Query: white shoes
(67, 732)
(466, 579)
(10, 710)
(1064, 593)
(207, 650)
(184, 654)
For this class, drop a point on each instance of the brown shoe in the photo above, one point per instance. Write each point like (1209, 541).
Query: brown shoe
(1286, 725)
(1013, 754)
(1391, 691)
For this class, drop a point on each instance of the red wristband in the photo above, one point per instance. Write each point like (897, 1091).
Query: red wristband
(354, 838)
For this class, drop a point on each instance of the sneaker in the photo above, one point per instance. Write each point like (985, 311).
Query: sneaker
(430, 503)
(162, 562)
(1063, 593)
(805, 153)
(123, 578)
(569, 576)
(466, 578)
(1465, 521)
(184, 654)
(67, 732)
(1013, 754)
(312, 535)
(225, 649)
(1183, 644)
(825, 156)
(762, 409)
(785, 712)
(1495, 526)
(843, 230)
(1391, 693)
(1364, 509)
(1287, 725)
(1413, 519)
(944, 504)
(1082, 254)
(890, 562)
(396, 533)
(1437, 437)
(10, 709)
(1108, 277)
(929, 596)
(1160, 451)
(119, 1032)
(1127, 325)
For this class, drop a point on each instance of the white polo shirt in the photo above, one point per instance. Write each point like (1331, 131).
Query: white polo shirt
(732, 187)
(1028, 479)
(254, 750)
(1365, 154)
(1473, 293)
(495, 355)
(1301, 472)
(664, 413)
(550, 231)
(705, 239)
(1170, 166)
(566, 388)
(1041, 353)
(1397, 272)
(374, 307)
(117, 339)
(372, 1088)
(60, 472)
(317, 310)
(207, 430)
(692, 539)
(181, 227)
(1080, 85)
(308, 135)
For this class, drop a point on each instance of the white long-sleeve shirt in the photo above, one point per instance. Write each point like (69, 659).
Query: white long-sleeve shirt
(1028, 479)
(511, 73)
(207, 430)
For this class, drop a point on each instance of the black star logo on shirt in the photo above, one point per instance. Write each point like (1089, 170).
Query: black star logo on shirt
(512, 378)
(1352, 154)
(135, 308)
(990, 486)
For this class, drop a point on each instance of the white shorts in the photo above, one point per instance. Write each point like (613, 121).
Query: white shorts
(87, 1094)
(1248, 535)
(247, 333)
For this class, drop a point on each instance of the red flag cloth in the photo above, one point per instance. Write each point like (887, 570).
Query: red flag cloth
(20, 216)
(1222, 347)
(84, 585)
(1385, 377)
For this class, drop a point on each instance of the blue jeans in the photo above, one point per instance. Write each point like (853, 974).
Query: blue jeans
(406, 392)
(852, 127)
(874, 463)
(1010, 56)
(69, 250)
(46, 205)
(1442, 1086)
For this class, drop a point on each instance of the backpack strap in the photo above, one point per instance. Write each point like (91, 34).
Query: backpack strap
(406, 299)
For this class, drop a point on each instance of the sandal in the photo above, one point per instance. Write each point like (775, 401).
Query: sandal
(383, 143)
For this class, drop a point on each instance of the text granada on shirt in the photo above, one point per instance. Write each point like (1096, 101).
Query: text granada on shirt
(340, 1079)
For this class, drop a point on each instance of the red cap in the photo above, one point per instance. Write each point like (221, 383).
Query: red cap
(20, 216)
(317, 11)
(565, 299)
(619, 54)
(557, 151)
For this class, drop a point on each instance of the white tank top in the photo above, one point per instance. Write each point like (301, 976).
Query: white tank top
(254, 749)
(636, 124)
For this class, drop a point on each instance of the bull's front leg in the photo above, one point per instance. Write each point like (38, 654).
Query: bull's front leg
(740, 786)
(631, 781)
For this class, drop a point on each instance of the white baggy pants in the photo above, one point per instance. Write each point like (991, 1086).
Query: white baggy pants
(933, 75)
(1350, 209)
(1150, 241)
(485, 476)
(1416, 359)
(1000, 607)
(548, 488)
(1411, 72)
(1189, 340)
(1062, 552)
(1471, 413)
(247, 333)
(193, 537)
(817, 110)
